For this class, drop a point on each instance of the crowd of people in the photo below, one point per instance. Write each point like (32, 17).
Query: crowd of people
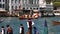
(29, 25)
(9, 30)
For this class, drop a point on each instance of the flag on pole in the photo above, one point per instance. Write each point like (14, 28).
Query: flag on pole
(45, 28)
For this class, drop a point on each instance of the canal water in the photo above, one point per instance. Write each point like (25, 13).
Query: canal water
(14, 22)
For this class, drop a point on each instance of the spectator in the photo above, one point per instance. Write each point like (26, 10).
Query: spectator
(2, 30)
(9, 30)
(21, 29)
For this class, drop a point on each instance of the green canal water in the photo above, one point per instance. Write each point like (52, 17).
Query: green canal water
(14, 22)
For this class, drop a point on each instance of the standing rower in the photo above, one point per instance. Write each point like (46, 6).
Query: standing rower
(29, 24)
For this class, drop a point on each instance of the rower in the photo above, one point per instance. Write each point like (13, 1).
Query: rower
(29, 24)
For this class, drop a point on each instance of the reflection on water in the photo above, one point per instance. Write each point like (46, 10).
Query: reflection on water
(14, 22)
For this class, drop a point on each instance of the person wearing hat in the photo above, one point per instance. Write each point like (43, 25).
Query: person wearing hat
(2, 30)
(21, 29)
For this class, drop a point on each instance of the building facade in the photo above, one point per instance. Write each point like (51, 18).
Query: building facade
(33, 4)
(12, 5)
(2, 4)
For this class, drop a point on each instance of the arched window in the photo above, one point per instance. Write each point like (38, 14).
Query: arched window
(15, 7)
(23, 8)
(30, 8)
(37, 8)
(30, 1)
(3, 0)
(33, 8)
(0, 5)
(3, 5)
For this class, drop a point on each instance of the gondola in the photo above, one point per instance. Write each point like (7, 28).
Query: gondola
(28, 17)
(56, 23)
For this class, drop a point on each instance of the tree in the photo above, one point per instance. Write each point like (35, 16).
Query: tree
(56, 4)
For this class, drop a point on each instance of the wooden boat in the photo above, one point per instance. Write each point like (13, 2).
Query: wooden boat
(28, 17)
(56, 23)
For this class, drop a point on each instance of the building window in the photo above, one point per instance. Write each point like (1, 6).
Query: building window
(19, 1)
(19, 7)
(27, 7)
(30, 1)
(30, 8)
(3, 5)
(12, 1)
(37, 8)
(12, 7)
(33, 8)
(55, 8)
(34, 1)
(0, 0)
(16, 7)
(15, 1)
(0, 5)
(23, 8)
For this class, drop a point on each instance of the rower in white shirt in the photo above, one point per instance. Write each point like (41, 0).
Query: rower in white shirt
(28, 23)
(21, 29)
(2, 30)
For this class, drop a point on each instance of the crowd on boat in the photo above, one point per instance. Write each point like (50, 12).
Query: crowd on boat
(36, 15)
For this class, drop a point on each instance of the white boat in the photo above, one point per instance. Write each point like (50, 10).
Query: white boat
(50, 14)
(57, 14)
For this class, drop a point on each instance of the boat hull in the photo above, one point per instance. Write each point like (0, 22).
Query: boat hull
(56, 23)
